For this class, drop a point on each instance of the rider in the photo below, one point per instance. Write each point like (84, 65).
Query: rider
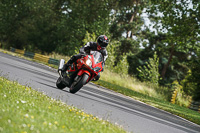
(100, 45)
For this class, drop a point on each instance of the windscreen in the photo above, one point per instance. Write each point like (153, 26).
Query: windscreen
(97, 56)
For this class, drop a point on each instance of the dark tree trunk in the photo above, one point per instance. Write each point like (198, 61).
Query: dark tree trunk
(167, 64)
(131, 20)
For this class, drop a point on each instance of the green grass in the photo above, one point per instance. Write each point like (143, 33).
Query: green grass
(155, 96)
(23, 110)
(133, 84)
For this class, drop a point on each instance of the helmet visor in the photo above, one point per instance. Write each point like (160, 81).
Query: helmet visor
(103, 45)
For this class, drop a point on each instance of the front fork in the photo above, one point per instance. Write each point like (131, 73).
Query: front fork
(81, 72)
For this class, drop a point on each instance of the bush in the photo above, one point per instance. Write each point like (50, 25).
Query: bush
(89, 38)
(116, 63)
(181, 99)
(190, 86)
(150, 72)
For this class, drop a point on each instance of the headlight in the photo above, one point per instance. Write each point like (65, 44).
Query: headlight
(97, 69)
(89, 62)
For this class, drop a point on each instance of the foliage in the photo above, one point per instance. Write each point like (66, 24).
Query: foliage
(89, 38)
(188, 87)
(78, 18)
(150, 72)
(181, 99)
(180, 19)
(126, 24)
(111, 49)
(127, 18)
(122, 66)
(191, 83)
(116, 63)
(51, 25)
(29, 24)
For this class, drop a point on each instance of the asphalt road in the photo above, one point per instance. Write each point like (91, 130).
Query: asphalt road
(132, 115)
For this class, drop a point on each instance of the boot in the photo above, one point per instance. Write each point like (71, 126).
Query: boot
(65, 67)
(64, 74)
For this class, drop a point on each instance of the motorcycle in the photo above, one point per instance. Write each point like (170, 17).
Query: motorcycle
(80, 72)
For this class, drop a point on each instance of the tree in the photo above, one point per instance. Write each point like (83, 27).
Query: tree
(191, 83)
(181, 21)
(29, 24)
(78, 18)
(127, 20)
(51, 25)
(11, 13)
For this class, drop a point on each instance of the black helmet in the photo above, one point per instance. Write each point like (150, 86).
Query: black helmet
(102, 41)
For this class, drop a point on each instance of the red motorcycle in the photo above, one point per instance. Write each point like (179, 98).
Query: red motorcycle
(80, 72)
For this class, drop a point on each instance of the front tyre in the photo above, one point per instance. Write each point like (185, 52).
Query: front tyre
(60, 84)
(78, 83)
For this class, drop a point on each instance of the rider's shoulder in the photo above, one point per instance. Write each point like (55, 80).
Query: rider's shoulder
(90, 44)
(104, 52)
(93, 43)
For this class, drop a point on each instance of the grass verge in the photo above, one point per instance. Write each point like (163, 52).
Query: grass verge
(23, 110)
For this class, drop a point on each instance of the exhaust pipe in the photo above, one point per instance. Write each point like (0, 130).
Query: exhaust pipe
(62, 62)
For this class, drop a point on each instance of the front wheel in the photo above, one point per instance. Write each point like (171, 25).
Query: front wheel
(78, 83)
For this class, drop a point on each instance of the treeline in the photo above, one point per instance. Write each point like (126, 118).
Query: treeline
(172, 38)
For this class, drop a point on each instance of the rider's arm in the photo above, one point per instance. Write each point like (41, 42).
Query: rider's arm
(105, 54)
(85, 49)
(81, 50)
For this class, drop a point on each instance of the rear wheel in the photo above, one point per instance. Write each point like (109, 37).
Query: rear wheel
(60, 84)
(78, 83)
